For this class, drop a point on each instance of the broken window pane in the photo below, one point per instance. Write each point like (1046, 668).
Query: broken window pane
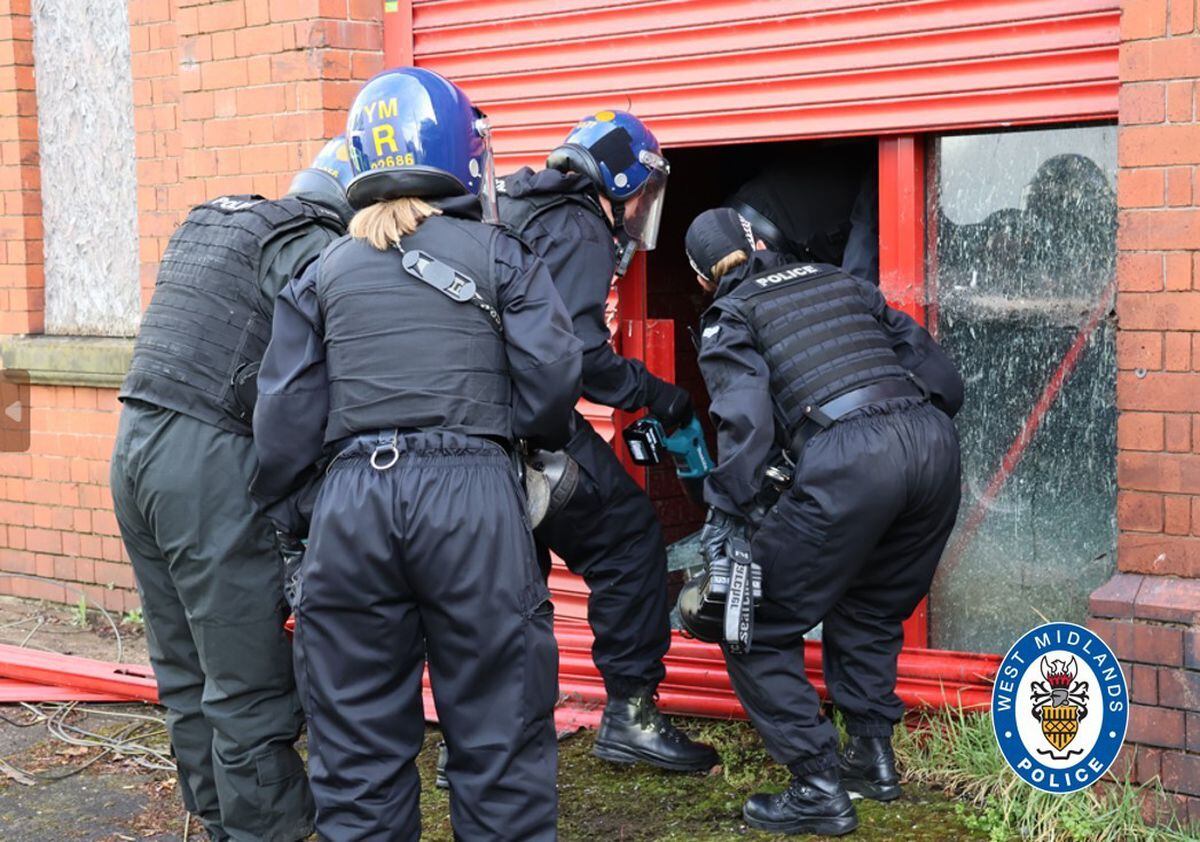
(1021, 279)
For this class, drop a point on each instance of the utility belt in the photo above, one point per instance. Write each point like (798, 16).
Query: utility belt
(824, 416)
(817, 418)
(385, 447)
(549, 478)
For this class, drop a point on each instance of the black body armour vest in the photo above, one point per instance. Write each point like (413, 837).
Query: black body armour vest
(207, 324)
(816, 334)
(402, 354)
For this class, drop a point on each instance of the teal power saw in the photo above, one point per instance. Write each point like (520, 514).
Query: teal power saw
(649, 444)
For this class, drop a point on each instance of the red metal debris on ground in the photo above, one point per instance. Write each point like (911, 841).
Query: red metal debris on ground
(696, 683)
(12, 691)
(85, 676)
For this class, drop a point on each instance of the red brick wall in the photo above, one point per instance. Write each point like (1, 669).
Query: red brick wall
(1158, 304)
(229, 97)
(20, 186)
(1149, 611)
(56, 509)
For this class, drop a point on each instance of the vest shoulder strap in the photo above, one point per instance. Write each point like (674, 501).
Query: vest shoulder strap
(447, 255)
(291, 212)
(447, 280)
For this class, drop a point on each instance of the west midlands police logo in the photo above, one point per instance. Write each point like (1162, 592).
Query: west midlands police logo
(1060, 707)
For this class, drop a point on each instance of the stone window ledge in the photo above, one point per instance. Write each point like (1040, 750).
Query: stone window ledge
(69, 360)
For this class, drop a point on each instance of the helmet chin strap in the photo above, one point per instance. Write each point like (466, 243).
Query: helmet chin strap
(626, 248)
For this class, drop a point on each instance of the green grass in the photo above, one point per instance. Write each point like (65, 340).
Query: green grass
(956, 787)
(957, 751)
(599, 801)
(79, 617)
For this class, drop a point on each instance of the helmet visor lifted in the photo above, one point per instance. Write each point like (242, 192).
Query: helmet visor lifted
(643, 212)
(487, 166)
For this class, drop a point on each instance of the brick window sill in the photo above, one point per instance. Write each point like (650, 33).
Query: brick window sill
(99, 362)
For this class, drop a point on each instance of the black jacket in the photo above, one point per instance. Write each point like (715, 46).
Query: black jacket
(293, 385)
(575, 241)
(738, 383)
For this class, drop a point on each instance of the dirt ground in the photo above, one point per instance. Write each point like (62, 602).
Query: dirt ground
(51, 791)
(63, 629)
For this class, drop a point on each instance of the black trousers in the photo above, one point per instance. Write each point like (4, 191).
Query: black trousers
(211, 583)
(854, 543)
(610, 535)
(429, 558)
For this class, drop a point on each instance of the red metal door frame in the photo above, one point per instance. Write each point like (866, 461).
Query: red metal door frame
(902, 267)
(650, 340)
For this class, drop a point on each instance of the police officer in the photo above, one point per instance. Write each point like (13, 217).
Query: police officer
(417, 351)
(205, 561)
(822, 207)
(809, 365)
(598, 202)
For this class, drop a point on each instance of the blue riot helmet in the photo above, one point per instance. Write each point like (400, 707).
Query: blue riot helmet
(622, 158)
(412, 132)
(325, 179)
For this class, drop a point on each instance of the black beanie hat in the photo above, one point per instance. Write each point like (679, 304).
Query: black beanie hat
(714, 234)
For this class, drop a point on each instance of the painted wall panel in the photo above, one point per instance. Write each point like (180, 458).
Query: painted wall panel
(86, 150)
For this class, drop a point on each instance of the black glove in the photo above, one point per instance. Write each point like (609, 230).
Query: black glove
(291, 549)
(669, 404)
(732, 574)
(718, 526)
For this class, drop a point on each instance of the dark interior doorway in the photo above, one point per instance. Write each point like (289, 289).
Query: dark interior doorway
(702, 178)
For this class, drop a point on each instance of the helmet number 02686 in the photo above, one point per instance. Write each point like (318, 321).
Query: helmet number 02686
(405, 160)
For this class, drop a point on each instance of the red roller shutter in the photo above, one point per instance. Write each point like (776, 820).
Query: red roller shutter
(719, 71)
(705, 72)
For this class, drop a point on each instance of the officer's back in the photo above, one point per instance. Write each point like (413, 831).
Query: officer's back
(812, 374)
(415, 353)
(206, 328)
(382, 368)
(203, 556)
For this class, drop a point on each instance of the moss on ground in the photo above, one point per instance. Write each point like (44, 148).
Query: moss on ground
(600, 801)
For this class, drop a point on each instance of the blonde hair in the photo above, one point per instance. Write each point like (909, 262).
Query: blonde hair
(734, 258)
(384, 223)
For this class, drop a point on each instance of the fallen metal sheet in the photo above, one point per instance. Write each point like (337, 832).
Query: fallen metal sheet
(12, 691)
(574, 712)
(697, 683)
(125, 681)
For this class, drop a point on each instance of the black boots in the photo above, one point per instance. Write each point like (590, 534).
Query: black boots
(869, 768)
(634, 730)
(814, 803)
(819, 803)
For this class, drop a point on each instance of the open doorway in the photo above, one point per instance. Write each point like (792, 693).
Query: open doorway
(702, 178)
